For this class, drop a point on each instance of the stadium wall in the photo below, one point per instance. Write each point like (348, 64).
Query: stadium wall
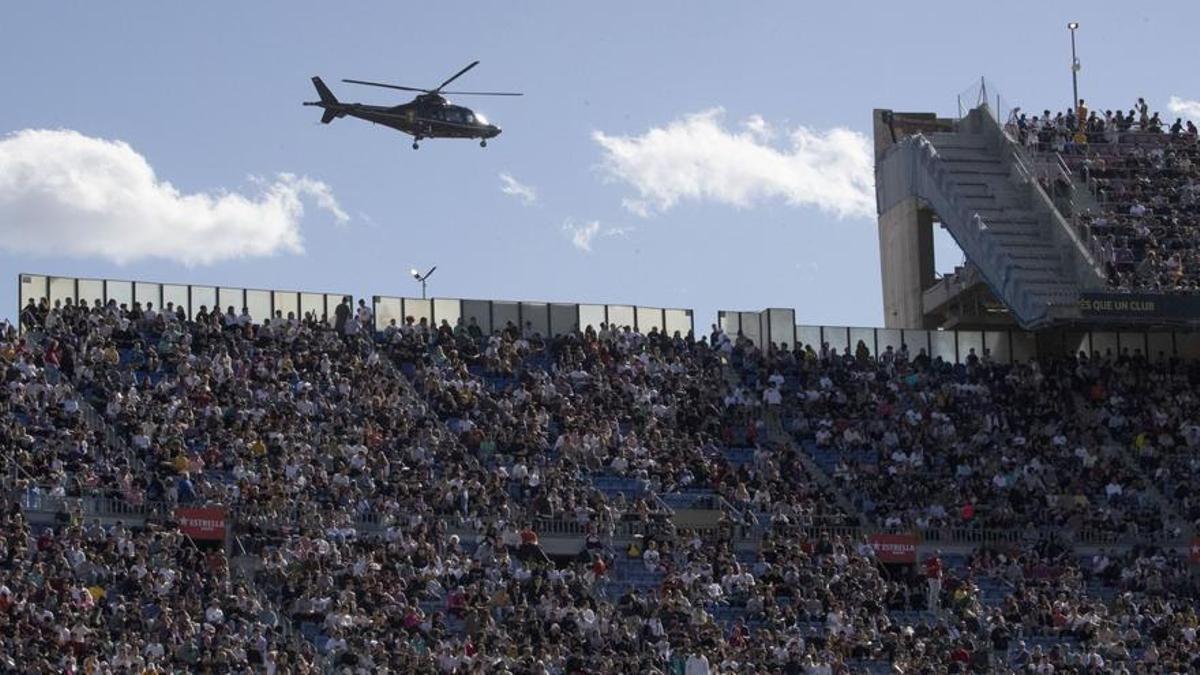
(262, 303)
(770, 326)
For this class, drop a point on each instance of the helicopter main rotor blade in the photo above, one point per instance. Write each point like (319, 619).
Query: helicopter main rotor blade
(483, 93)
(386, 86)
(454, 77)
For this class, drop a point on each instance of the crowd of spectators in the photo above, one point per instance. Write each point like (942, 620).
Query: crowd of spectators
(82, 598)
(654, 408)
(1144, 175)
(386, 494)
(916, 442)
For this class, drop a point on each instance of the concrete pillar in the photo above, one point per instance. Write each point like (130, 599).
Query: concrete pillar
(906, 261)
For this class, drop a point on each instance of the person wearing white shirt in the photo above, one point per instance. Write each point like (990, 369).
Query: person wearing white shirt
(696, 664)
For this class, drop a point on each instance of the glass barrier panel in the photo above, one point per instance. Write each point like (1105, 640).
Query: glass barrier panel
(203, 297)
(504, 314)
(91, 290)
(418, 309)
(1160, 346)
(1187, 345)
(1132, 344)
(535, 318)
(997, 345)
(917, 341)
(752, 327)
(620, 316)
(649, 318)
(310, 303)
(386, 311)
(1024, 346)
(678, 321)
(479, 312)
(1105, 343)
(781, 326)
(62, 291)
(33, 287)
(591, 315)
(119, 291)
(808, 336)
(888, 337)
(259, 304)
(943, 345)
(448, 310)
(730, 322)
(175, 296)
(231, 297)
(970, 343)
(332, 300)
(146, 294)
(564, 319)
(1075, 342)
(284, 303)
(866, 336)
(837, 337)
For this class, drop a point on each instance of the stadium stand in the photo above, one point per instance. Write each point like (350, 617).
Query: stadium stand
(1144, 178)
(411, 498)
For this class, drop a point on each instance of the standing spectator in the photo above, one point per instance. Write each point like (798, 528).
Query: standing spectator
(933, 578)
(342, 315)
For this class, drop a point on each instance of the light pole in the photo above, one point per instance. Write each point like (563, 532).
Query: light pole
(1073, 26)
(422, 278)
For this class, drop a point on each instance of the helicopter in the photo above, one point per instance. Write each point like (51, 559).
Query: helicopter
(428, 115)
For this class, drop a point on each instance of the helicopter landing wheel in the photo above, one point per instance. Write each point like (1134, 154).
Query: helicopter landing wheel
(483, 143)
(415, 146)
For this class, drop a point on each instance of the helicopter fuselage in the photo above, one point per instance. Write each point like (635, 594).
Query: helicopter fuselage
(421, 119)
(428, 115)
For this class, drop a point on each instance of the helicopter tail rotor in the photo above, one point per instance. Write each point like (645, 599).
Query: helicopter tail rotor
(328, 101)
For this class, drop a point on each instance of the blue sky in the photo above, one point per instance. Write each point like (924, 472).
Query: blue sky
(209, 95)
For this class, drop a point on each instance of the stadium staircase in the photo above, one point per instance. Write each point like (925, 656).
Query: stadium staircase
(986, 193)
(822, 474)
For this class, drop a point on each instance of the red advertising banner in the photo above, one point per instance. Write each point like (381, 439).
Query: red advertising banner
(895, 548)
(204, 523)
(1196, 551)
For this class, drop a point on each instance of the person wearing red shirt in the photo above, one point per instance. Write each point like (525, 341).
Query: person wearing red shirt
(960, 654)
(933, 576)
(968, 512)
(530, 548)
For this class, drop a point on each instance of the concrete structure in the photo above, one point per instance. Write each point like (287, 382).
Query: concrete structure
(1027, 266)
(906, 229)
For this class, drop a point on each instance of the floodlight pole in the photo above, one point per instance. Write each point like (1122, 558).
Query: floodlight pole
(423, 278)
(1073, 26)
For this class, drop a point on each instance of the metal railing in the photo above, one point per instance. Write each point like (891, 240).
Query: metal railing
(92, 507)
(1027, 168)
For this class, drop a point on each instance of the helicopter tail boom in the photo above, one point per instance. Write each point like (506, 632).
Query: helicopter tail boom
(328, 101)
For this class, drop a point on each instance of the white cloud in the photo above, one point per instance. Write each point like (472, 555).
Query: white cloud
(582, 235)
(1187, 108)
(515, 188)
(698, 158)
(758, 126)
(64, 193)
